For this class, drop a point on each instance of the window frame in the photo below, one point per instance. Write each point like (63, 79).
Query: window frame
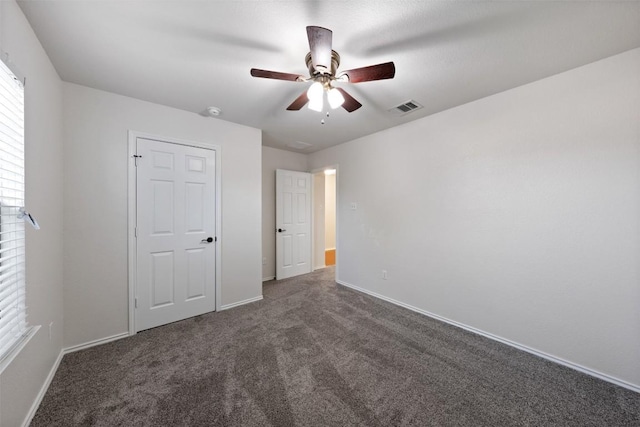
(17, 331)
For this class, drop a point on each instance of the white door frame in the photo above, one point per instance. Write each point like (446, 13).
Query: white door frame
(313, 199)
(132, 214)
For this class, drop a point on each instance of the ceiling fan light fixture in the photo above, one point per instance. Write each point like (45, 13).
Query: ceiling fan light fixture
(316, 104)
(315, 91)
(335, 98)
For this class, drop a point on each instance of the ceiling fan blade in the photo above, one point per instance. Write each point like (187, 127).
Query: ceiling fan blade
(320, 40)
(300, 102)
(372, 72)
(256, 72)
(350, 104)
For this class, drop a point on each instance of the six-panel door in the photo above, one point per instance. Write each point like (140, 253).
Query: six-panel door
(175, 217)
(293, 223)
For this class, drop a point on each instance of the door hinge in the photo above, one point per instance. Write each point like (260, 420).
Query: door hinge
(135, 159)
(136, 302)
(135, 232)
(215, 239)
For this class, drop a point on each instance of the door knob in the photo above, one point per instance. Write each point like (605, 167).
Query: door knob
(280, 230)
(207, 240)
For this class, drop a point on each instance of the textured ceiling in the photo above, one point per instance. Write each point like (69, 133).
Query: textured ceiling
(195, 54)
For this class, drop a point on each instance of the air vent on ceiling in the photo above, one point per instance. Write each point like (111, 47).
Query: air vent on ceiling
(405, 107)
(299, 145)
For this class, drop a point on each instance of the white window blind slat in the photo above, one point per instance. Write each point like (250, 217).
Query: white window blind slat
(5, 233)
(11, 267)
(12, 331)
(11, 137)
(14, 159)
(13, 320)
(9, 283)
(10, 253)
(11, 100)
(9, 302)
(10, 111)
(10, 107)
(10, 337)
(13, 324)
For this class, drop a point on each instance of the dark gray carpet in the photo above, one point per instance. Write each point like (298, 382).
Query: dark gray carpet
(313, 353)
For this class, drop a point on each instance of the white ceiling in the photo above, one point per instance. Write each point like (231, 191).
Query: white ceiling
(194, 54)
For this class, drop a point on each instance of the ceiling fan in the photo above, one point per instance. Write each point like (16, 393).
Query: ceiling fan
(323, 63)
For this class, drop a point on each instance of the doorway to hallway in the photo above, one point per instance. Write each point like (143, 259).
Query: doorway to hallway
(325, 217)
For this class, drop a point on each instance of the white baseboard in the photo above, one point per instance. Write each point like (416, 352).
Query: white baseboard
(236, 304)
(94, 343)
(575, 366)
(319, 267)
(56, 365)
(43, 390)
(266, 279)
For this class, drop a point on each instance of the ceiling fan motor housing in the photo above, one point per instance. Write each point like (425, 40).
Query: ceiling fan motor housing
(335, 62)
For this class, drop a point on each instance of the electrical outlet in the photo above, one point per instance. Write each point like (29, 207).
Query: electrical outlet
(264, 261)
(384, 274)
(354, 206)
(50, 330)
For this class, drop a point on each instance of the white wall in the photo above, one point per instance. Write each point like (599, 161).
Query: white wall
(22, 380)
(330, 212)
(517, 214)
(95, 223)
(272, 159)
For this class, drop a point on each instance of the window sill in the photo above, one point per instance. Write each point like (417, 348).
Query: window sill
(18, 346)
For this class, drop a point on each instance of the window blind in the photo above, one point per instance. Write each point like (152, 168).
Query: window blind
(13, 322)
